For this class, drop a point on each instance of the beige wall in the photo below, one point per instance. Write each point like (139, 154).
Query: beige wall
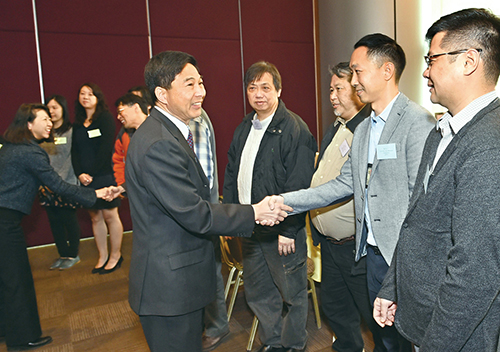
(343, 22)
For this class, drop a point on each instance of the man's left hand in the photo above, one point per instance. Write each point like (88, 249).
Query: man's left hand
(286, 245)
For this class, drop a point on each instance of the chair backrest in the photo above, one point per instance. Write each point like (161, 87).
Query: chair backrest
(231, 252)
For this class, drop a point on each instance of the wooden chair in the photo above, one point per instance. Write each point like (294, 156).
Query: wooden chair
(231, 255)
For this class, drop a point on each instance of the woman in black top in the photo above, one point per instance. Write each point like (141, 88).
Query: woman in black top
(92, 150)
(24, 166)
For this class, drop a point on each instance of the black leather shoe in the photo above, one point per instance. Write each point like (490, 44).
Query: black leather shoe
(42, 341)
(98, 270)
(296, 350)
(209, 343)
(107, 271)
(267, 348)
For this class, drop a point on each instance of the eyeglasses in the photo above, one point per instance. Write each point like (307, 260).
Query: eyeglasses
(119, 111)
(428, 58)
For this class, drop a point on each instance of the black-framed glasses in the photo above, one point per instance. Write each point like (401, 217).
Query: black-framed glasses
(428, 58)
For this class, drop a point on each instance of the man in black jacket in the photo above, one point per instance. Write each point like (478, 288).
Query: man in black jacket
(272, 152)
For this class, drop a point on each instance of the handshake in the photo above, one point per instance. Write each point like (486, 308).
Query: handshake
(271, 210)
(109, 193)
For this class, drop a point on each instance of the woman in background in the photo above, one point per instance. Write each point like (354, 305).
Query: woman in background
(92, 149)
(24, 166)
(60, 211)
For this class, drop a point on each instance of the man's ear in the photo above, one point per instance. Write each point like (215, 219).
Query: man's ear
(471, 63)
(161, 94)
(389, 70)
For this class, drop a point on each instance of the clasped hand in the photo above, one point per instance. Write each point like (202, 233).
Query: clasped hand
(108, 193)
(269, 212)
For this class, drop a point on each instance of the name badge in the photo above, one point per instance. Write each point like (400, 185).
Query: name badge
(94, 133)
(344, 148)
(60, 140)
(386, 151)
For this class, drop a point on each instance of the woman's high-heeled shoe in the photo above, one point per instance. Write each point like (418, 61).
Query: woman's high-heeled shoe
(98, 270)
(107, 271)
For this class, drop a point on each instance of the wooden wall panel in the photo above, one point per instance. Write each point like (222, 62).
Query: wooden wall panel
(110, 17)
(195, 19)
(283, 35)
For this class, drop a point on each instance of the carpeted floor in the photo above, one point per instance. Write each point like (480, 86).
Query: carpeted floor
(86, 312)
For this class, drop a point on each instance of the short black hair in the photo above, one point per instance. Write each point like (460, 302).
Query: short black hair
(382, 48)
(162, 69)
(472, 29)
(146, 95)
(130, 99)
(258, 69)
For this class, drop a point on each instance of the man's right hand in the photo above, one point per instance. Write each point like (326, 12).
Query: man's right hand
(265, 215)
(384, 311)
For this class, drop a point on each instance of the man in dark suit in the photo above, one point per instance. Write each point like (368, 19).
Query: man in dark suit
(445, 274)
(172, 271)
(344, 291)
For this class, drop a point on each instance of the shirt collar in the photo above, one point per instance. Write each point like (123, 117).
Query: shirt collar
(385, 114)
(339, 120)
(466, 114)
(178, 123)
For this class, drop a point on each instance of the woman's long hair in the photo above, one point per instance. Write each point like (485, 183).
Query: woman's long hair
(66, 125)
(80, 113)
(18, 131)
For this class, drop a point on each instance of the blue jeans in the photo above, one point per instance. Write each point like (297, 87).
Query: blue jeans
(270, 280)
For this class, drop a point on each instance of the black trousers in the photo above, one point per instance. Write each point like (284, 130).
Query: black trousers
(65, 229)
(344, 297)
(180, 333)
(19, 320)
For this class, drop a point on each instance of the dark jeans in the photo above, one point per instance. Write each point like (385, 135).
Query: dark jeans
(19, 320)
(376, 268)
(270, 280)
(65, 229)
(344, 296)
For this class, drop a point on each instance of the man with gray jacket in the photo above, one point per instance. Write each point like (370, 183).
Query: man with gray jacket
(382, 166)
(445, 277)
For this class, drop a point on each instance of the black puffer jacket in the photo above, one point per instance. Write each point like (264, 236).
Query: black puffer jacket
(284, 163)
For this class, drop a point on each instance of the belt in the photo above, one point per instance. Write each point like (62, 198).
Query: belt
(339, 242)
(375, 249)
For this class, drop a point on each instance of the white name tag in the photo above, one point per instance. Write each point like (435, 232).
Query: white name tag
(60, 140)
(344, 148)
(94, 133)
(386, 151)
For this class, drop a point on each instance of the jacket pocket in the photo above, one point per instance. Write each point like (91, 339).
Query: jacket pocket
(181, 260)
